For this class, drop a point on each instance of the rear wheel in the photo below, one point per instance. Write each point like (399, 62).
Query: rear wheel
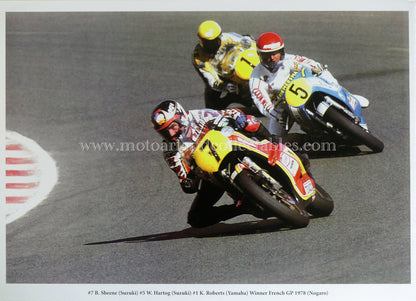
(353, 130)
(295, 217)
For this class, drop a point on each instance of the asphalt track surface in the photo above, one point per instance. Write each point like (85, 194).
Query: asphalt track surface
(120, 216)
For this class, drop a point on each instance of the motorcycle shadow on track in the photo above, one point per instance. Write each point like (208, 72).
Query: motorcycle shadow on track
(321, 147)
(218, 230)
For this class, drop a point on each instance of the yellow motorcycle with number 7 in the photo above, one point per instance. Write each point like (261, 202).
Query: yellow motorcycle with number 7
(270, 177)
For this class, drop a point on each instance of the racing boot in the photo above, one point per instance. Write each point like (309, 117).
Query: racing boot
(304, 158)
(213, 215)
(246, 208)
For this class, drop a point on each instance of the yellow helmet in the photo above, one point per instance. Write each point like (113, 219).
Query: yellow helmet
(209, 30)
(209, 36)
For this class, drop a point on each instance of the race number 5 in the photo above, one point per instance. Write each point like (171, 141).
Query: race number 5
(299, 91)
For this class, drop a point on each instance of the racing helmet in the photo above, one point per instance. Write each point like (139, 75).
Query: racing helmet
(209, 36)
(267, 44)
(166, 112)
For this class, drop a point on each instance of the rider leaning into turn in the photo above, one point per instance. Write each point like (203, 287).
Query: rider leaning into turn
(208, 55)
(275, 68)
(180, 129)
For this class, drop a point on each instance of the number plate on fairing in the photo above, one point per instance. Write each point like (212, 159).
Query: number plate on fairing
(298, 92)
(211, 150)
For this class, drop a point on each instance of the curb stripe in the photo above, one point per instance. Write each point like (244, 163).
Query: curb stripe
(19, 161)
(31, 179)
(21, 185)
(14, 147)
(20, 192)
(19, 173)
(16, 200)
(30, 172)
(18, 154)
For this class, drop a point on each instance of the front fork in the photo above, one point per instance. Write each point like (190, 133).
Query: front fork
(269, 182)
(324, 105)
(263, 178)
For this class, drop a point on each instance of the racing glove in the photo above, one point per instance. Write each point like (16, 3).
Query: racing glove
(241, 121)
(278, 113)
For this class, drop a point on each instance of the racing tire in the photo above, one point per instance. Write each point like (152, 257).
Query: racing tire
(353, 130)
(322, 205)
(265, 200)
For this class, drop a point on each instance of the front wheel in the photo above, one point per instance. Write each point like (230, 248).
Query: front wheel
(353, 130)
(295, 217)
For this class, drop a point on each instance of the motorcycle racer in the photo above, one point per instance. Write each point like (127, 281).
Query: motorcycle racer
(208, 55)
(180, 129)
(275, 68)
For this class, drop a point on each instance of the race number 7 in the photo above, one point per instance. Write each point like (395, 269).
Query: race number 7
(211, 148)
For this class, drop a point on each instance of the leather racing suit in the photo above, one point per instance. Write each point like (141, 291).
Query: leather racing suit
(220, 91)
(266, 84)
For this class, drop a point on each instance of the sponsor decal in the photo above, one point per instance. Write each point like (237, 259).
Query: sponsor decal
(209, 33)
(272, 46)
(290, 163)
(171, 107)
(308, 187)
(352, 101)
(160, 118)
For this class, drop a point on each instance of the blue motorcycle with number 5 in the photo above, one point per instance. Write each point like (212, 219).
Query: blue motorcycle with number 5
(323, 108)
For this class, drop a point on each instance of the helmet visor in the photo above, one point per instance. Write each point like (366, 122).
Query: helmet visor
(171, 132)
(210, 46)
(266, 57)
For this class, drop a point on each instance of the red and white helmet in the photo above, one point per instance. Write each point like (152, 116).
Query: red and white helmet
(267, 44)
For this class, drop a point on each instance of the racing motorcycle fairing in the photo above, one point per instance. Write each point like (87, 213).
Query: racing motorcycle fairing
(216, 150)
(269, 178)
(300, 91)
